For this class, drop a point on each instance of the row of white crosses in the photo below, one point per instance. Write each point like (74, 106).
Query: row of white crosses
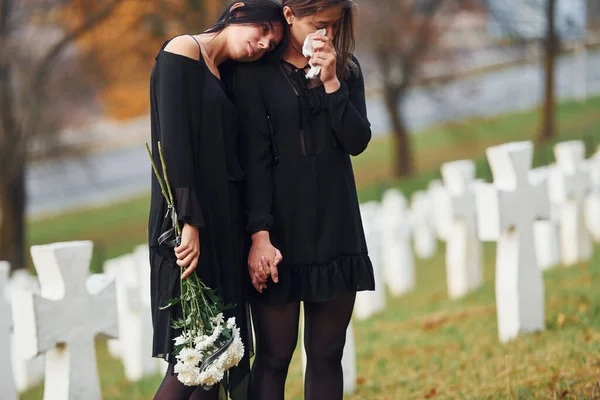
(559, 192)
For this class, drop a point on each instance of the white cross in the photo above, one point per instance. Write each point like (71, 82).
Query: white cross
(592, 203)
(371, 302)
(396, 234)
(506, 212)
(547, 247)
(463, 248)
(423, 225)
(64, 321)
(440, 199)
(576, 243)
(27, 372)
(134, 346)
(8, 390)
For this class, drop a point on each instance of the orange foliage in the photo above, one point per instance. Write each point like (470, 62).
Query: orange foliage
(124, 46)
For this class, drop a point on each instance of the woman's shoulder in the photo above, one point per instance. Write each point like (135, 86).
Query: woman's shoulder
(182, 48)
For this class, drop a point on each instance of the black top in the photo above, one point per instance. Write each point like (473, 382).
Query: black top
(300, 183)
(197, 125)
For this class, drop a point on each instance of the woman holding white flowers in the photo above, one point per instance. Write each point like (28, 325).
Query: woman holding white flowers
(196, 124)
(301, 196)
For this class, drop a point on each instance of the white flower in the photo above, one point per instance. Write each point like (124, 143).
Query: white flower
(214, 336)
(211, 376)
(218, 320)
(179, 340)
(187, 374)
(234, 353)
(201, 342)
(231, 323)
(190, 356)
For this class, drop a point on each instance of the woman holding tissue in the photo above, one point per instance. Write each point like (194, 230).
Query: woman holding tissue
(302, 116)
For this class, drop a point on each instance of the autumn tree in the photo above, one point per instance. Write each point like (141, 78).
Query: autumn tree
(401, 34)
(124, 45)
(51, 54)
(28, 65)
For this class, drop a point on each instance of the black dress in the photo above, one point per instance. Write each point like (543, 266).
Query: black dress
(300, 185)
(197, 125)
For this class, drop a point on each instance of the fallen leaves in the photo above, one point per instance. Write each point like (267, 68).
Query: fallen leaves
(432, 392)
(433, 322)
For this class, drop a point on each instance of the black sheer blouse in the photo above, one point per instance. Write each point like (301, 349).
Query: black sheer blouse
(299, 180)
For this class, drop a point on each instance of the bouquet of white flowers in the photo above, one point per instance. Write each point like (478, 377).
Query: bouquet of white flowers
(208, 346)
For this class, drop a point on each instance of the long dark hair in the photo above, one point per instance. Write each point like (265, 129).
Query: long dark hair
(343, 41)
(254, 12)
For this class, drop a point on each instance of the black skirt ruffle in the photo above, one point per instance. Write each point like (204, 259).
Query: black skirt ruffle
(320, 282)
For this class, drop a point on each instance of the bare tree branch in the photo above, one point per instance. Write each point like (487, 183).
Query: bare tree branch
(45, 64)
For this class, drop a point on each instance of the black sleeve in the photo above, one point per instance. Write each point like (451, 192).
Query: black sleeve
(348, 111)
(175, 78)
(256, 148)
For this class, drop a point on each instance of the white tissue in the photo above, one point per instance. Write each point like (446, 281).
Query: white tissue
(307, 51)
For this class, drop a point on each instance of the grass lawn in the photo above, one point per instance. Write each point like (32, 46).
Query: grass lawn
(424, 345)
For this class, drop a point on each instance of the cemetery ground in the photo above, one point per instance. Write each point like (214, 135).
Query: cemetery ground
(423, 345)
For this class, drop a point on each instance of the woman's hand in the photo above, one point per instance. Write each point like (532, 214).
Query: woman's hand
(325, 56)
(189, 251)
(259, 276)
(263, 260)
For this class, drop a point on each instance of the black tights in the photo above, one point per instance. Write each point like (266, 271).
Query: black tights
(276, 330)
(172, 389)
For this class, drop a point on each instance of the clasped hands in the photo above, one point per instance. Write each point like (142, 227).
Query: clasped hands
(263, 261)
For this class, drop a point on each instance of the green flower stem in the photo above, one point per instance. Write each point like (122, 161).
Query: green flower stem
(168, 185)
(160, 181)
(194, 301)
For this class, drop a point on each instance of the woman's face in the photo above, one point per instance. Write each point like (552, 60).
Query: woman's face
(328, 19)
(250, 42)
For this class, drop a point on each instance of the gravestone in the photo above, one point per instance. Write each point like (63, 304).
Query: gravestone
(134, 346)
(546, 232)
(592, 202)
(506, 213)
(396, 229)
(348, 358)
(463, 248)
(142, 258)
(8, 391)
(425, 242)
(369, 303)
(65, 318)
(440, 200)
(573, 187)
(27, 372)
